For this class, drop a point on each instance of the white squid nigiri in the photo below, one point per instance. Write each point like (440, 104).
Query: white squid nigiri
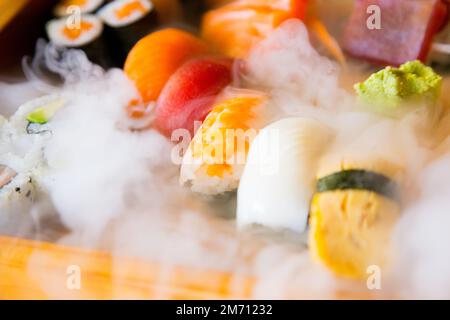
(278, 181)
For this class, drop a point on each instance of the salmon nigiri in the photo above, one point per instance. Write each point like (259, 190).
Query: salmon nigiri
(154, 59)
(236, 27)
(217, 154)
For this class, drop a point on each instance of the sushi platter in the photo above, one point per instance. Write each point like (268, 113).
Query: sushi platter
(224, 149)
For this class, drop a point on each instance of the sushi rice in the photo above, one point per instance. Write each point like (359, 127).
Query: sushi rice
(22, 163)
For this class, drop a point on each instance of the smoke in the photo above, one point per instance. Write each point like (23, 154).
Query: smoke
(422, 236)
(15, 94)
(117, 189)
(290, 69)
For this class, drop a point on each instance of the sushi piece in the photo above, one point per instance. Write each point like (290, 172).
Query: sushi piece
(66, 7)
(353, 212)
(216, 156)
(235, 28)
(278, 180)
(85, 35)
(6, 175)
(189, 94)
(406, 32)
(154, 59)
(127, 21)
(17, 193)
(34, 116)
(22, 162)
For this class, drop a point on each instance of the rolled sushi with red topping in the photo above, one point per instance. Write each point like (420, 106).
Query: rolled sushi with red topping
(127, 21)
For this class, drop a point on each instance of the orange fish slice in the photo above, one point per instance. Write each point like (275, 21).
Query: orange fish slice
(297, 7)
(216, 156)
(233, 29)
(156, 57)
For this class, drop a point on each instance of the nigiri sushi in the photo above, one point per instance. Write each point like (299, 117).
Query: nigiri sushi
(278, 180)
(215, 158)
(154, 59)
(353, 212)
(235, 28)
(405, 31)
(189, 94)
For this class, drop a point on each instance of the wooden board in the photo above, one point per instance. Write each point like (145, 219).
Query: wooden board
(39, 270)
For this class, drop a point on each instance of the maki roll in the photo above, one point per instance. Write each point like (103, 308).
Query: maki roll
(65, 7)
(216, 156)
(85, 35)
(22, 163)
(33, 117)
(17, 193)
(278, 180)
(127, 21)
(353, 212)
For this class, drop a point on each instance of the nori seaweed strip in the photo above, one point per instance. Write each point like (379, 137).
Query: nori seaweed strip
(359, 180)
(122, 38)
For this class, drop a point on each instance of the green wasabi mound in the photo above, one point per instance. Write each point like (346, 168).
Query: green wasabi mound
(390, 89)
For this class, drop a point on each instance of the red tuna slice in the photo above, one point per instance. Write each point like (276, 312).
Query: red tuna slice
(407, 30)
(190, 93)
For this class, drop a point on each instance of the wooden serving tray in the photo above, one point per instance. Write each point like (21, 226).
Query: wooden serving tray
(40, 270)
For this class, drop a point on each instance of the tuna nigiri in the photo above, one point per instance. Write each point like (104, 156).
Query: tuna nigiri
(405, 32)
(189, 94)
